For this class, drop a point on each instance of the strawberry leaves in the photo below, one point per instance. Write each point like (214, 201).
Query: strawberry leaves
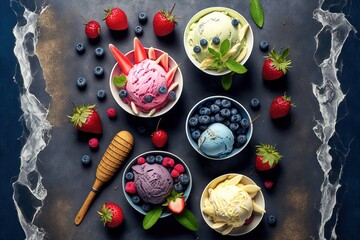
(257, 12)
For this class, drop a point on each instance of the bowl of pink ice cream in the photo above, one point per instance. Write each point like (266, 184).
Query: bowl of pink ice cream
(145, 82)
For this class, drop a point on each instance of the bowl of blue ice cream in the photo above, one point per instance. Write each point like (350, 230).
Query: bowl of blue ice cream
(218, 127)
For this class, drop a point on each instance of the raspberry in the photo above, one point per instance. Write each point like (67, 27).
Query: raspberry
(268, 184)
(130, 187)
(249, 220)
(168, 162)
(141, 160)
(93, 143)
(179, 167)
(111, 112)
(174, 173)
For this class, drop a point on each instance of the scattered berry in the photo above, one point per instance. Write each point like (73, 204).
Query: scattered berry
(99, 71)
(159, 138)
(93, 143)
(197, 49)
(81, 82)
(111, 112)
(255, 103)
(86, 159)
(86, 119)
(203, 42)
(168, 162)
(276, 65)
(172, 95)
(164, 22)
(92, 29)
(267, 157)
(130, 187)
(174, 173)
(271, 219)
(101, 94)
(111, 214)
(116, 19)
(179, 167)
(80, 48)
(129, 176)
(135, 199)
(264, 46)
(142, 17)
(141, 160)
(163, 89)
(268, 184)
(122, 93)
(138, 31)
(280, 107)
(216, 40)
(150, 159)
(99, 52)
(235, 22)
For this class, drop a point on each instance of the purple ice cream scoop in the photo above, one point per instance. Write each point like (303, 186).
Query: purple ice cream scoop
(153, 182)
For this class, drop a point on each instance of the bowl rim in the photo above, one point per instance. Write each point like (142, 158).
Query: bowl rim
(232, 153)
(177, 78)
(249, 37)
(257, 218)
(131, 163)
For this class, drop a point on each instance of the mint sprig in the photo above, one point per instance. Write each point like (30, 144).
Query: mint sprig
(187, 219)
(152, 217)
(257, 12)
(120, 80)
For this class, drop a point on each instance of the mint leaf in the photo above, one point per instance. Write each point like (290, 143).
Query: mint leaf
(119, 81)
(187, 219)
(257, 13)
(226, 81)
(151, 217)
(224, 47)
(214, 53)
(235, 66)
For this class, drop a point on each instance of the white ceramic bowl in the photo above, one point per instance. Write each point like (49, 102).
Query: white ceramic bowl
(189, 50)
(259, 199)
(241, 109)
(133, 162)
(116, 71)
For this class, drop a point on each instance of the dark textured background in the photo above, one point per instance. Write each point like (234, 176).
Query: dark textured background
(296, 195)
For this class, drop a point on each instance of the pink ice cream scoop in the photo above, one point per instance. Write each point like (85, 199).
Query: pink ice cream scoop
(143, 83)
(153, 182)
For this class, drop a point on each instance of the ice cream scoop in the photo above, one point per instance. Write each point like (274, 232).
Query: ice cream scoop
(216, 141)
(153, 182)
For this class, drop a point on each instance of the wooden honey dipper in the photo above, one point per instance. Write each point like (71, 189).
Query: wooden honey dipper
(116, 153)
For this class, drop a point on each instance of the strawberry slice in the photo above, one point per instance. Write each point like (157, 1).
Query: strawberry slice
(123, 61)
(171, 74)
(139, 51)
(164, 61)
(152, 54)
(175, 202)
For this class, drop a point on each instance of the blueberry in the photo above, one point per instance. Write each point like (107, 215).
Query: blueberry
(218, 102)
(138, 30)
(142, 17)
(86, 159)
(241, 138)
(141, 129)
(99, 52)
(99, 71)
(178, 187)
(264, 45)
(225, 112)
(184, 179)
(235, 118)
(81, 82)
(233, 111)
(244, 123)
(148, 99)
(225, 103)
(159, 159)
(204, 119)
(129, 176)
(163, 90)
(241, 130)
(203, 42)
(122, 93)
(254, 103)
(193, 121)
(235, 22)
(80, 48)
(219, 118)
(212, 119)
(146, 207)
(227, 123)
(150, 159)
(216, 40)
(204, 111)
(271, 219)
(202, 127)
(101, 94)
(135, 199)
(195, 134)
(197, 49)
(234, 126)
(215, 108)
(172, 95)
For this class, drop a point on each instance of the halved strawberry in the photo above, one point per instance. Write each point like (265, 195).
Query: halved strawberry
(176, 202)
(123, 61)
(171, 74)
(139, 51)
(86, 119)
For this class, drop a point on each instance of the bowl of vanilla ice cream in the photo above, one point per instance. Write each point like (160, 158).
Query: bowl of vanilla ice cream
(205, 36)
(232, 204)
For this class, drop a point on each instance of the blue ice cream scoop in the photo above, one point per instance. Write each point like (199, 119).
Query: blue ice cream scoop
(216, 141)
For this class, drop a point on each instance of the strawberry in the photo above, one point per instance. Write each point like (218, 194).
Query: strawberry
(116, 19)
(111, 214)
(275, 65)
(159, 138)
(92, 29)
(280, 106)
(267, 157)
(176, 202)
(86, 119)
(164, 22)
